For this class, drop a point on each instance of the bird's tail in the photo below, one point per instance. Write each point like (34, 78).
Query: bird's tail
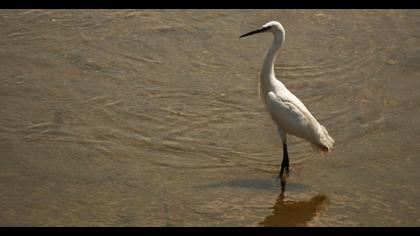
(325, 141)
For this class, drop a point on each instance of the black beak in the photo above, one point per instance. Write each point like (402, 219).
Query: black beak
(255, 32)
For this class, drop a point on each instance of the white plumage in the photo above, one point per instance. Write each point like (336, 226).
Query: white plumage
(286, 110)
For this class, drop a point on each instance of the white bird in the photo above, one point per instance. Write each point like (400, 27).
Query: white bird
(286, 110)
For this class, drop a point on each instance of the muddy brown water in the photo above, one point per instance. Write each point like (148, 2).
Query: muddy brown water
(152, 118)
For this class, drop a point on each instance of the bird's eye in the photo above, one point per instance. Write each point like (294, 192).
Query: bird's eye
(267, 27)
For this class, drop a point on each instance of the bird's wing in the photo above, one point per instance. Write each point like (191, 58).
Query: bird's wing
(292, 115)
(286, 113)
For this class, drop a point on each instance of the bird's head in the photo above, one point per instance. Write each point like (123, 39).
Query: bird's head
(273, 26)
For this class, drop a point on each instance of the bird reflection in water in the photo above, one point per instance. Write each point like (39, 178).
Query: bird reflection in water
(294, 213)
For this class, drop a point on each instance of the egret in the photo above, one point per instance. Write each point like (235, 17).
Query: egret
(289, 114)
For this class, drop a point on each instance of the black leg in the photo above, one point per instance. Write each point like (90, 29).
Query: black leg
(286, 158)
(284, 163)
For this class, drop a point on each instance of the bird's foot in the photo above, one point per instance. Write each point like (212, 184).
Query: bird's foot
(283, 176)
(282, 181)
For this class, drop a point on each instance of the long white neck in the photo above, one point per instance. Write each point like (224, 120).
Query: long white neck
(268, 78)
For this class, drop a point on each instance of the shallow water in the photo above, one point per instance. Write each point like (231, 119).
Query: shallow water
(152, 118)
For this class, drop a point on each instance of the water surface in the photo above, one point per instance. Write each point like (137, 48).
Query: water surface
(152, 118)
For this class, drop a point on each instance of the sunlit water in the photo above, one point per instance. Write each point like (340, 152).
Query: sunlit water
(152, 118)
